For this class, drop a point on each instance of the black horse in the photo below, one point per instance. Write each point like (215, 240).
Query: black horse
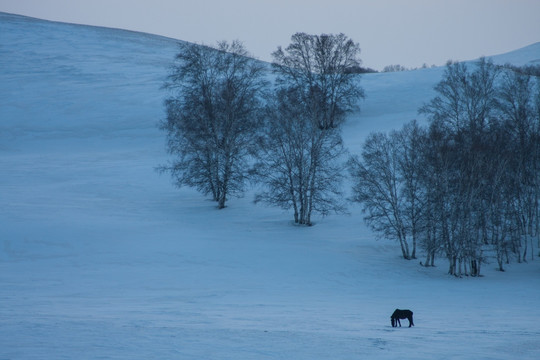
(401, 314)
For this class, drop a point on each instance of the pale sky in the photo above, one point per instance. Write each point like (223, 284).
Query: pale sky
(408, 32)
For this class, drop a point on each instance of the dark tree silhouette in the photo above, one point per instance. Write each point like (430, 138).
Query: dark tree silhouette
(213, 117)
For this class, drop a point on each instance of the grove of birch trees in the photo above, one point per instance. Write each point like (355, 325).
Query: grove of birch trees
(467, 184)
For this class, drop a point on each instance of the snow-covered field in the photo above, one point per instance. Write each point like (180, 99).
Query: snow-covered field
(101, 258)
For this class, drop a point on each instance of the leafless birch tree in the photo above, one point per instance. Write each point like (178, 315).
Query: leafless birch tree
(301, 166)
(213, 117)
(319, 67)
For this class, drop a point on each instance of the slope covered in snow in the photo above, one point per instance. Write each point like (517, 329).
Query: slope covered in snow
(100, 257)
(526, 56)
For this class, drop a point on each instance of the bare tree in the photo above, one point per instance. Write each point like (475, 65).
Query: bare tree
(319, 66)
(410, 141)
(388, 183)
(213, 117)
(377, 186)
(301, 166)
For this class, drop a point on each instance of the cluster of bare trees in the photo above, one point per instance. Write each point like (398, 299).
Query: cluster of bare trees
(226, 125)
(467, 183)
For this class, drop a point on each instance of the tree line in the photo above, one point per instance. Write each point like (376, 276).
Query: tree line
(469, 181)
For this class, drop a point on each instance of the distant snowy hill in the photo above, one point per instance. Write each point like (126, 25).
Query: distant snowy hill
(100, 257)
(60, 78)
(526, 56)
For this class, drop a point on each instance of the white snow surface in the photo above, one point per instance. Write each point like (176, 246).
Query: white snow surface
(102, 258)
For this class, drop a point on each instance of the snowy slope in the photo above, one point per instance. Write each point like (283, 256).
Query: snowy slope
(100, 257)
(526, 56)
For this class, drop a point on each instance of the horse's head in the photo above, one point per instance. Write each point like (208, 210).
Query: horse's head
(393, 321)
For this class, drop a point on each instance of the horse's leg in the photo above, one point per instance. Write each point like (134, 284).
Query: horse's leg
(399, 322)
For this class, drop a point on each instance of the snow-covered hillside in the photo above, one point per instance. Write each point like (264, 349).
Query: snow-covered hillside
(100, 257)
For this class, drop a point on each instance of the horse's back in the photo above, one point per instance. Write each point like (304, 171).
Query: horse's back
(399, 312)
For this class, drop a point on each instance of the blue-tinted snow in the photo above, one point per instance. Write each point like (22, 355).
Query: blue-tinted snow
(100, 257)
